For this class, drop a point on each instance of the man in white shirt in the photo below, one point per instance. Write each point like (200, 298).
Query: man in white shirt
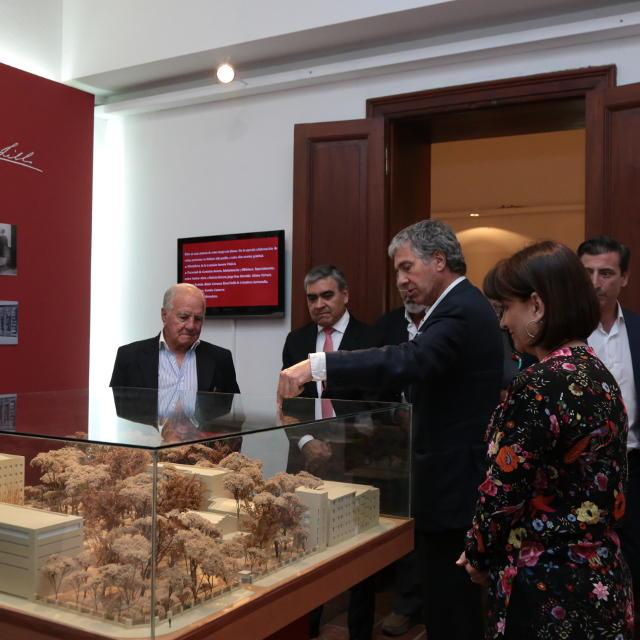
(616, 341)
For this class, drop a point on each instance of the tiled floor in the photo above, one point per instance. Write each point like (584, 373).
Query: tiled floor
(334, 618)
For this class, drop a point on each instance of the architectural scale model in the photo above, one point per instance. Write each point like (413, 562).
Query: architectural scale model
(31, 541)
(82, 540)
(11, 478)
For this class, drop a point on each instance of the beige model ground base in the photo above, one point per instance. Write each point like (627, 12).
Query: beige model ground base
(212, 609)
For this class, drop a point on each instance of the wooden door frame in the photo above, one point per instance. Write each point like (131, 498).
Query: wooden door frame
(536, 88)
(468, 98)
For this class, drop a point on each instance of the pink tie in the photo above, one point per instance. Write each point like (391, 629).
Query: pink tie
(327, 407)
(328, 340)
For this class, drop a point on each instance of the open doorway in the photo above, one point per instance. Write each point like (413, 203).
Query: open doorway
(370, 177)
(500, 194)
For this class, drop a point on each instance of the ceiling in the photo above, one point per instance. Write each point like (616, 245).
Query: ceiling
(389, 31)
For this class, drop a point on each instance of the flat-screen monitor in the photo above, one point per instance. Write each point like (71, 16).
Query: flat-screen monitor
(241, 274)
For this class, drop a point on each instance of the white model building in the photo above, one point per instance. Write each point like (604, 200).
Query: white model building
(228, 507)
(337, 511)
(367, 503)
(212, 480)
(342, 512)
(316, 517)
(27, 538)
(11, 478)
(223, 522)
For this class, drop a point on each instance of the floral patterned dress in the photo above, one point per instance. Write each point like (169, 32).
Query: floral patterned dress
(544, 522)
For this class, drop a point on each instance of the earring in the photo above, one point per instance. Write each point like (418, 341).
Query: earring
(526, 328)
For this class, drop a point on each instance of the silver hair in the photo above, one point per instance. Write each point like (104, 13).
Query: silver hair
(326, 271)
(170, 294)
(428, 236)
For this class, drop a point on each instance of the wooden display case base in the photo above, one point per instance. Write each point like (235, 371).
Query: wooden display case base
(278, 605)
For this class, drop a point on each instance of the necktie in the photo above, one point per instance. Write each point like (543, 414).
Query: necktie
(328, 340)
(327, 407)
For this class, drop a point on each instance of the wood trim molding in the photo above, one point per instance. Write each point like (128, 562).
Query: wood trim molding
(547, 86)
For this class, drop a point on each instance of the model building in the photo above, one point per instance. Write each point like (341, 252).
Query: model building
(85, 532)
(31, 542)
(11, 478)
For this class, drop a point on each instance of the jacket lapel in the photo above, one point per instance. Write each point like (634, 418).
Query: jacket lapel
(148, 363)
(632, 323)
(205, 368)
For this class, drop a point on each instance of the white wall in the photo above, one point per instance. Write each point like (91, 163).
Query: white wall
(102, 36)
(227, 167)
(31, 36)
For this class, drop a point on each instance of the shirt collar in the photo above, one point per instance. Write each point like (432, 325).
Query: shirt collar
(616, 323)
(163, 343)
(410, 321)
(441, 297)
(341, 325)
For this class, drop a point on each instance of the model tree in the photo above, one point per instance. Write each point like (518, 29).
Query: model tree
(241, 486)
(197, 454)
(282, 483)
(178, 491)
(308, 480)
(236, 461)
(55, 569)
(55, 467)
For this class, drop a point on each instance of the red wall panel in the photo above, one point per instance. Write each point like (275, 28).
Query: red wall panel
(52, 211)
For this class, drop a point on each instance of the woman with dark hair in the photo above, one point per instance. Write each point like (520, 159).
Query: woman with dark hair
(543, 536)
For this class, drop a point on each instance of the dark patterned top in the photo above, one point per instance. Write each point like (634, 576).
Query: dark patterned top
(544, 521)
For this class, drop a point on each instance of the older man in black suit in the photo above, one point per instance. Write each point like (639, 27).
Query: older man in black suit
(177, 358)
(455, 368)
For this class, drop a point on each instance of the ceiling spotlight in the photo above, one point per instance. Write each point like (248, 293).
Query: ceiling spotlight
(473, 214)
(225, 73)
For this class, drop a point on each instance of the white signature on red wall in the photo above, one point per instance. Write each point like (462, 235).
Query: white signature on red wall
(11, 154)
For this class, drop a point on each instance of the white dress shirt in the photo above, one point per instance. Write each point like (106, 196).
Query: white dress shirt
(412, 329)
(336, 337)
(613, 349)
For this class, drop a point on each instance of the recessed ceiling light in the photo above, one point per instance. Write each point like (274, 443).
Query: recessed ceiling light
(473, 214)
(225, 73)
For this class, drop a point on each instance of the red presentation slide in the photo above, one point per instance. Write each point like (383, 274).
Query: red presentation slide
(234, 273)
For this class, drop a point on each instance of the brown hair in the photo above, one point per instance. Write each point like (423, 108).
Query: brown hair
(556, 274)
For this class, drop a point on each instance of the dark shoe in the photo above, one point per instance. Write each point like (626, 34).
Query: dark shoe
(395, 624)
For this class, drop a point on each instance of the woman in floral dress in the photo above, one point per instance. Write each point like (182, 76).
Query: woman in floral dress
(543, 537)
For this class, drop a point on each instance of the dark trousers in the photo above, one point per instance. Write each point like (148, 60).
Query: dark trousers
(407, 586)
(360, 615)
(451, 602)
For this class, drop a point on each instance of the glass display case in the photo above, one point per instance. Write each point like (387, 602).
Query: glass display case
(132, 513)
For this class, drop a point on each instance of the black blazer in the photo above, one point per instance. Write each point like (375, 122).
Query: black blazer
(301, 342)
(454, 367)
(392, 327)
(136, 365)
(632, 322)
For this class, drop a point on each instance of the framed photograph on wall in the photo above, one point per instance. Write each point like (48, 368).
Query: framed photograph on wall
(8, 249)
(8, 322)
(8, 403)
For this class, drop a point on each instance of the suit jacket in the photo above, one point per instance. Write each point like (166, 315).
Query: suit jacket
(392, 327)
(298, 345)
(301, 342)
(136, 365)
(454, 368)
(632, 322)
